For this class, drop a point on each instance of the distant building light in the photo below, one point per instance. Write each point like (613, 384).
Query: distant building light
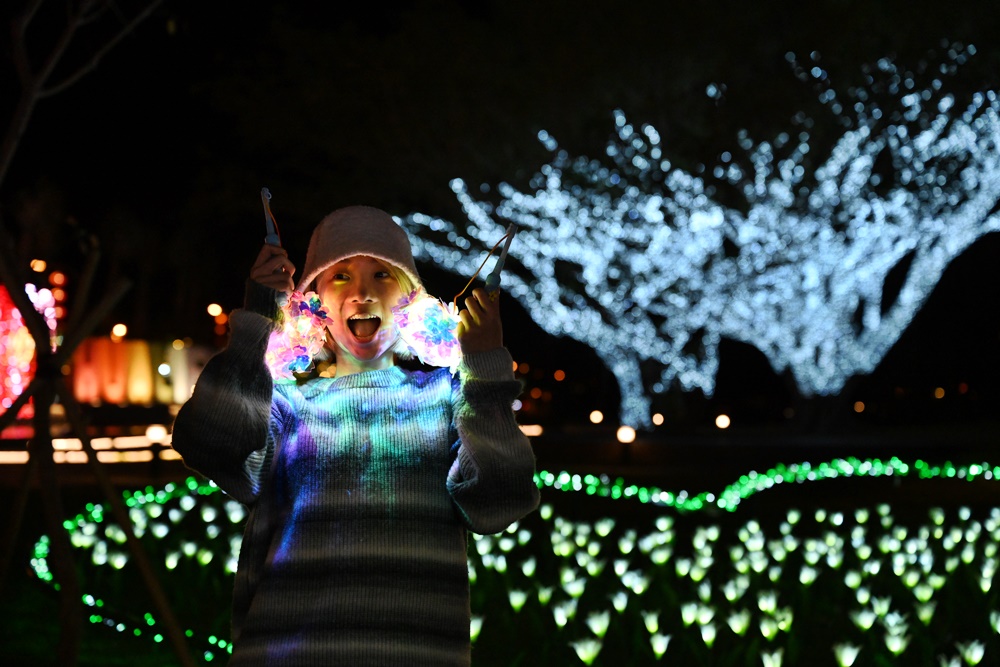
(939, 392)
(531, 430)
(163, 369)
(119, 330)
(658, 419)
(38, 265)
(596, 417)
(723, 421)
(559, 375)
(169, 455)
(626, 434)
(214, 309)
(156, 432)
(859, 406)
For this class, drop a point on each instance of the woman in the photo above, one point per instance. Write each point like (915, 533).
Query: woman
(360, 486)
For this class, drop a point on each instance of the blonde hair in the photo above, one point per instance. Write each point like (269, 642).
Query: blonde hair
(406, 284)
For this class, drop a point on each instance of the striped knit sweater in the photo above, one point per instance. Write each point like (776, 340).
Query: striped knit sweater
(360, 491)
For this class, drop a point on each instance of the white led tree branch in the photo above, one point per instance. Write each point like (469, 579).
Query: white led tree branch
(641, 261)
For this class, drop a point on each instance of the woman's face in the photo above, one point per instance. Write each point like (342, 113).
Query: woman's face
(359, 293)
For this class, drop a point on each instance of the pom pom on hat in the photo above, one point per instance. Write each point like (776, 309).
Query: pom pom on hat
(357, 230)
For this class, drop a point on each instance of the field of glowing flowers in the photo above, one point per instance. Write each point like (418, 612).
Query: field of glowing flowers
(611, 574)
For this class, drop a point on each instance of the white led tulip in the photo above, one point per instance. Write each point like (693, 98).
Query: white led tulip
(659, 643)
(846, 654)
(896, 643)
(768, 627)
(739, 621)
(598, 622)
(517, 598)
(864, 619)
(772, 659)
(925, 611)
(689, 613)
(708, 633)
(587, 649)
(767, 601)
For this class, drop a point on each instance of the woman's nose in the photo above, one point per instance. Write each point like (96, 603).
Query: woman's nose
(363, 292)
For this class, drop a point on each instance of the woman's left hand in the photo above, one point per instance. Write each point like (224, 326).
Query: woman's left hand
(480, 328)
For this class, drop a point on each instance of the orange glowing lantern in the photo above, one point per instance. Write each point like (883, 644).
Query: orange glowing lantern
(86, 383)
(111, 359)
(139, 375)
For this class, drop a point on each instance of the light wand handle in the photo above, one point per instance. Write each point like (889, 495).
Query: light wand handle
(493, 280)
(270, 223)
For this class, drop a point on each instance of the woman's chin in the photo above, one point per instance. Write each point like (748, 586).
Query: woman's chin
(369, 349)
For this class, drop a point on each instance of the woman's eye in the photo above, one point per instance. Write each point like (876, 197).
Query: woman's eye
(340, 277)
(382, 275)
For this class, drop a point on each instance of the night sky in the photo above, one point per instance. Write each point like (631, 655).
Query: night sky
(161, 152)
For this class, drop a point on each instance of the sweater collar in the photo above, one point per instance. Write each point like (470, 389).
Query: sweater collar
(388, 377)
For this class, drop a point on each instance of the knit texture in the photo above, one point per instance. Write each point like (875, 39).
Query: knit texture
(360, 490)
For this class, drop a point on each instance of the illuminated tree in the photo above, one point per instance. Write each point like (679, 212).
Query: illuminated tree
(652, 265)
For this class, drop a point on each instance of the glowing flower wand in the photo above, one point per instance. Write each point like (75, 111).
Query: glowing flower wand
(430, 328)
(302, 336)
(302, 319)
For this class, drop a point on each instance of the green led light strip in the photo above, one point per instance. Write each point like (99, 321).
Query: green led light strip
(753, 482)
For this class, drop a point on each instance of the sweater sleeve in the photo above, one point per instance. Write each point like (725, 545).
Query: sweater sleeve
(492, 479)
(222, 430)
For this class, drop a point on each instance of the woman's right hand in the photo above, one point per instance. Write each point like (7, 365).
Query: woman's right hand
(273, 269)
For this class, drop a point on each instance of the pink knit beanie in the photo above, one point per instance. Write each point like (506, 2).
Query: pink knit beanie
(357, 230)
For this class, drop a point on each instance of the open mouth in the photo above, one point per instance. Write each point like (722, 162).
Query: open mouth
(364, 325)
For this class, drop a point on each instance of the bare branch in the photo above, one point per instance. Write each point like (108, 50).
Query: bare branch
(92, 63)
(87, 15)
(73, 22)
(29, 13)
(33, 83)
(18, 32)
(18, 124)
